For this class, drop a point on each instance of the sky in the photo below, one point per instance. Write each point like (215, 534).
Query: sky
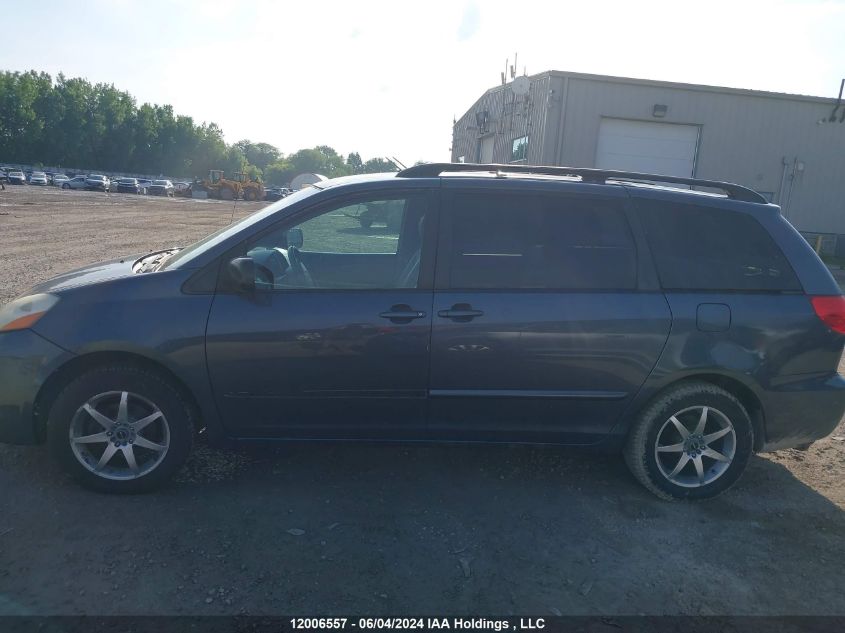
(386, 78)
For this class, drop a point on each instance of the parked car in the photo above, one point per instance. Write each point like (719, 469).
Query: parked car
(59, 180)
(97, 182)
(77, 182)
(145, 185)
(128, 185)
(586, 307)
(16, 177)
(161, 188)
(38, 178)
(276, 193)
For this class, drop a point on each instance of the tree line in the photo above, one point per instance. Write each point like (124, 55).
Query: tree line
(73, 123)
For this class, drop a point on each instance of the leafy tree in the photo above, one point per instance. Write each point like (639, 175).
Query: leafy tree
(279, 173)
(378, 165)
(259, 154)
(73, 123)
(354, 163)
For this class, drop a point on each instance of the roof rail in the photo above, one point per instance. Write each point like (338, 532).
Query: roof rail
(599, 176)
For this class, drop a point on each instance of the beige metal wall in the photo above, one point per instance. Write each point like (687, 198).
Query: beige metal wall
(745, 135)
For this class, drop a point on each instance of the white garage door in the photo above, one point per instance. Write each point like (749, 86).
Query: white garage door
(654, 148)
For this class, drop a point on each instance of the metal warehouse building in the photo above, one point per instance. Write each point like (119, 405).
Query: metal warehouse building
(790, 148)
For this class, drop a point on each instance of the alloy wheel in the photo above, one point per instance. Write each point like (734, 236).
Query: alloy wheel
(119, 435)
(695, 446)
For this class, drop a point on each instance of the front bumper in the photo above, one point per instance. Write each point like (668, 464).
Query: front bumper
(802, 409)
(26, 360)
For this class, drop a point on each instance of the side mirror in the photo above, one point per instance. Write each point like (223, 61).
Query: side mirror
(242, 274)
(295, 238)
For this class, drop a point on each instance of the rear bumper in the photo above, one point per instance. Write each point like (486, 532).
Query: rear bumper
(802, 409)
(26, 360)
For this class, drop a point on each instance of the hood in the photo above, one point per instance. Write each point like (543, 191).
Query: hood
(95, 273)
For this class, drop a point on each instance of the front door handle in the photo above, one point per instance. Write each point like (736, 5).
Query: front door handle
(402, 313)
(460, 312)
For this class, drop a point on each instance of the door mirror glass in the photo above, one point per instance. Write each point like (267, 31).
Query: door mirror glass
(295, 237)
(242, 274)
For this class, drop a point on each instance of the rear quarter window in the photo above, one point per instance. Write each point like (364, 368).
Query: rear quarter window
(703, 248)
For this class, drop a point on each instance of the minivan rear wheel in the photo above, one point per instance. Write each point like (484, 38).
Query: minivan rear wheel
(691, 442)
(120, 429)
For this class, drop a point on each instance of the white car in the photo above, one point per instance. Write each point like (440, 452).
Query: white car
(59, 180)
(78, 182)
(38, 178)
(16, 177)
(97, 182)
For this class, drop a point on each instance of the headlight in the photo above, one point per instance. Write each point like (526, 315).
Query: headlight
(24, 312)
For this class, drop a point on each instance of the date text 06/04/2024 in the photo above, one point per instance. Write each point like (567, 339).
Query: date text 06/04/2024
(457, 624)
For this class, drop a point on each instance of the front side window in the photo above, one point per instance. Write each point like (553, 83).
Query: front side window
(543, 242)
(369, 244)
(519, 149)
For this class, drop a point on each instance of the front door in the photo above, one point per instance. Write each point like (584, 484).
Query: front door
(334, 341)
(540, 332)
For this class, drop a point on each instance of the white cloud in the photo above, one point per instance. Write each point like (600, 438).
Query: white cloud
(470, 22)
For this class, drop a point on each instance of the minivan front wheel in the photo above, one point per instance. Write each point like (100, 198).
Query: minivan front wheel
(692, 442)
(120, 429)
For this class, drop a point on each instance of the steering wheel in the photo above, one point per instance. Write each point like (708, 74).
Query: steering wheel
(297, 274)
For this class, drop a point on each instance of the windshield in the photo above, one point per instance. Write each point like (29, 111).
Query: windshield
(161, 182)
(183, 258)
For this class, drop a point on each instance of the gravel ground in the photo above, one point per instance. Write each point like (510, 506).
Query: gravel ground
(356, 529)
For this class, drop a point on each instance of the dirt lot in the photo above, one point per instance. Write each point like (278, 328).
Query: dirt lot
(319, 529)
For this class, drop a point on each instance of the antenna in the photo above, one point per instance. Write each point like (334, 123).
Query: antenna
(513, 68)
(833, 114)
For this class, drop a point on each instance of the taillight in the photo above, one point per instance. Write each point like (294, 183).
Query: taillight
(831, 310)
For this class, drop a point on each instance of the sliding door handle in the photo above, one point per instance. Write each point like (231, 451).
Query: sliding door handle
(402, 314)
(460, 312)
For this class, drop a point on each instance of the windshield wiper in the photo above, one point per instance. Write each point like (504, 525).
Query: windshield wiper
(150, 262)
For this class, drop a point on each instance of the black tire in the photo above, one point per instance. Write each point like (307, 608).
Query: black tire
(65, 186)
(117, 378)
(366, 221)
(640, 450)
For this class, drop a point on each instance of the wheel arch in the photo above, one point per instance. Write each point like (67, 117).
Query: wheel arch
(734, 386)
(77, 365)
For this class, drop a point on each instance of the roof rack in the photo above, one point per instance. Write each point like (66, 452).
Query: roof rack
(599, 176)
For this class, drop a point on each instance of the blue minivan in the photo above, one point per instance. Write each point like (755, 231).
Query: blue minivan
(685, 328)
